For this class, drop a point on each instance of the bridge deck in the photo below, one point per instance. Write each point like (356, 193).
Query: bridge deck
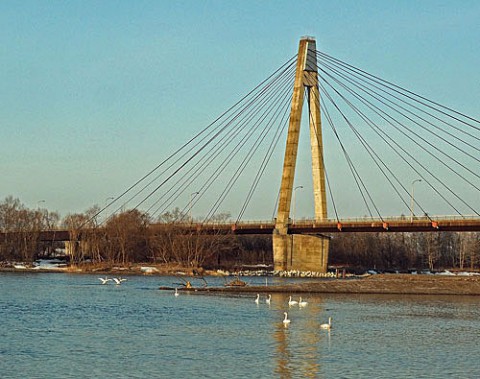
(470, 224)
(359, 225)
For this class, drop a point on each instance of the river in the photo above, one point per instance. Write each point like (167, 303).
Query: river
(72, 326)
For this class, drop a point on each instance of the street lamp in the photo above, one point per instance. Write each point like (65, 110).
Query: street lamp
(192, 195)
(38, 203)
(412, 201)
(294, 198)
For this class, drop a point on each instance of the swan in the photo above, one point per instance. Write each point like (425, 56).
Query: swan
(286, 320)
(292, 302)
(257, 299)
(104, 280)
(302, 303)
(119, 281)
(176, 292)
(327, 326)
(268, 299)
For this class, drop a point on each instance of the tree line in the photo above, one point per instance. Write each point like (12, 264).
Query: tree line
(407, 251)
(124, 238)
(132, 236)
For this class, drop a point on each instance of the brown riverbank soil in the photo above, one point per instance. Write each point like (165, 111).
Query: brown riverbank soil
(112, 269)
(375, 284)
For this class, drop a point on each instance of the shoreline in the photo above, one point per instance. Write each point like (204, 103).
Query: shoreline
(394, 284)
(387, 284)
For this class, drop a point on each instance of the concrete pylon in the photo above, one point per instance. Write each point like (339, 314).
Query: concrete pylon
(295, 251)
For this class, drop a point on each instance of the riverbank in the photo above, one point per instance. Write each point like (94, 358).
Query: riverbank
(402, 284)
(406, 284)
(104, 268)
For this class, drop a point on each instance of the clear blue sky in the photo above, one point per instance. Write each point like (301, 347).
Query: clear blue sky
(95, 93)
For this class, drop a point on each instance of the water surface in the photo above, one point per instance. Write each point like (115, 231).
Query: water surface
(71, 326)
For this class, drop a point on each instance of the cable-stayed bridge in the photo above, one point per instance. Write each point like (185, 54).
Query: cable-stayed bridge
(387, 152)
(374, 151)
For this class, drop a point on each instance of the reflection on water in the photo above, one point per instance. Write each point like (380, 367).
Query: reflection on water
(301, 339)
(60, 325)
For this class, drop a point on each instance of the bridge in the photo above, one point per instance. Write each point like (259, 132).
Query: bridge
(329, 226)
(393, 224)
(384, 139)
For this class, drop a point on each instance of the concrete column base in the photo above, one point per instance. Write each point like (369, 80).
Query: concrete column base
(300, 252)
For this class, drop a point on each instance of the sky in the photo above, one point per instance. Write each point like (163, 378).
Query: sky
(94, 94)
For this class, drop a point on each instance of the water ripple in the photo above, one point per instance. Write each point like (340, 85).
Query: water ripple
(70, 326)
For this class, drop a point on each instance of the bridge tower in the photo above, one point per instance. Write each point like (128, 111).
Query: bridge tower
(297, 251)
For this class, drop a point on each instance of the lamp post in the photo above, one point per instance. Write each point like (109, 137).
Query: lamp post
(412, 201)
(38, 203)
(192, 195)
(294, 200)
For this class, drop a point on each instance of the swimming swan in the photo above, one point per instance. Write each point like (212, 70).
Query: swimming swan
(327, 326)
(268, 300)
(257, 299)
(286, 320)
(292, 302)
(176, 292)
(302, 303)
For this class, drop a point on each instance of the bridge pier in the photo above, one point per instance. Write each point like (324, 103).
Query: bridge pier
(300, 252)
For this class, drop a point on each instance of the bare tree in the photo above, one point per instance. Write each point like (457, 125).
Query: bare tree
(172, 240)
(76, 223)
(467, 249)
(9, 209)
(127, 232)
(94, 237)
(23, 228)
(475, 249)
(430, 244)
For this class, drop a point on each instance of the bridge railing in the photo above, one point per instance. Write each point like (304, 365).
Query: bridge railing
(390, 219)
(310, 222)
(344, 220)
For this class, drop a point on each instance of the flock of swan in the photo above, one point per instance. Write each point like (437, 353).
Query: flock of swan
(117, 281)
(301, 303)
(286, 321)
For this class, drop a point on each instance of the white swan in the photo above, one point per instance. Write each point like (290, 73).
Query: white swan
(268, 300)
(176, 292)
(292, 302)
(104, 280)
(119, 281)
(286, 320)
(257, 299)
(302, 303)
(327, 326)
